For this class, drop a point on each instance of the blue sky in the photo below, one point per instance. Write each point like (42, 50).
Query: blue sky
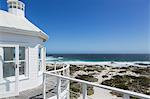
(91, 26)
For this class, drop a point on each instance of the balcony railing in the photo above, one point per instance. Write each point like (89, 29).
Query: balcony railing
(126, 94)
(61, 85)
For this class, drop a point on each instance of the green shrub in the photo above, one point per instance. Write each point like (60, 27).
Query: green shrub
(122, 72)
(139, 84)
(142, 70)
(89, 78)
(105, 76)
(77, 88)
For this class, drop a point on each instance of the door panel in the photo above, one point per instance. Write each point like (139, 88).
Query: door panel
(22, 60)
(9, 65)
(8, 69)
(8, 62)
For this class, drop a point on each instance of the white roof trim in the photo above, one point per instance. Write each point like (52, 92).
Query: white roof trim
(40, 34)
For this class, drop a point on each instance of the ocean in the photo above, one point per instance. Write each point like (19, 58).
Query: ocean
(98, 57)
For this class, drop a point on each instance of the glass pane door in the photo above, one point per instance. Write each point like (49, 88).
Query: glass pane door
(9, 62)
(22, 60)
(10, 70)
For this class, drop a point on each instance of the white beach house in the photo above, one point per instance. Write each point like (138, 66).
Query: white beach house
(22, 53)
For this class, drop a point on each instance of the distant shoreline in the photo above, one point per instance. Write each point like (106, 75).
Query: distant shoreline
(94, 53)
(114, 64)
(99, 57)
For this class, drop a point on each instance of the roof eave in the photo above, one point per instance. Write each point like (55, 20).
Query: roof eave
(40, 34)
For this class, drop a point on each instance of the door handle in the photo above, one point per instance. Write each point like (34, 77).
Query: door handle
(16, 66)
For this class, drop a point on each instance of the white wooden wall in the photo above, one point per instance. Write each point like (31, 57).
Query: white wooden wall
(33, 78)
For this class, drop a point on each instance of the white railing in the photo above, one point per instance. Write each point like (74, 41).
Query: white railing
(126, 94)
(63, 69)
(58, 69)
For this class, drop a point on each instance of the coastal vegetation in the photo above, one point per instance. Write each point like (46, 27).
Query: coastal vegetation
(86, 68)
(142, 71)
(77, 87)
(91, 70)
(128, 77)
(50, 67)
(139, 84)
(74, 68)
(76, 90)
(89, 78)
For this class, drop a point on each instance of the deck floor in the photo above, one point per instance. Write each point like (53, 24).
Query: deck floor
(37, 93)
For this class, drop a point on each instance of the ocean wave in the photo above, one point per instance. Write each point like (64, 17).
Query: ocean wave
(51, 58)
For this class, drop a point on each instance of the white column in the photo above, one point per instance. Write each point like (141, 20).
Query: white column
(67, 73)
(27, 61)
(44, 86)
(84, 91)
(17, 69)
(55, 66)
(58, 88)
(68, 70)
(125, 96)
(43, 58)
(63, 70)
(68, 89)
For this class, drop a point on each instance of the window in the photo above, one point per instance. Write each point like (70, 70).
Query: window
(10, 3)
(22, 60)
(9, 62)
(14, 3)
(10, 6)
(19, 7)
(14, 7)
(40, 58)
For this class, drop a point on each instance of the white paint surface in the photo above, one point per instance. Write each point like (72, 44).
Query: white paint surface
(33, 78)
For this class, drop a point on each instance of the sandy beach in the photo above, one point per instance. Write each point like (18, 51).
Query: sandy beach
(99, 92)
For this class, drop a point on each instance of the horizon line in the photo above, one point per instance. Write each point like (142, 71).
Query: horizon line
(97, 53)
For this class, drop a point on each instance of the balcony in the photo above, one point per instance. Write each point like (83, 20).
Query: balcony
(51, 85)
(126, 94)
(56, 85)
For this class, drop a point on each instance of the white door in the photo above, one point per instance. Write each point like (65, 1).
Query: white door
(9, 70)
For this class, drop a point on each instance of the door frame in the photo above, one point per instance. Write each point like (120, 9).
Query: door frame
(16, 80)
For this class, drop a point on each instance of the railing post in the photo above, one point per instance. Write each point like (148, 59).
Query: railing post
(125, 96)
(68, 70)
(63, 70)
(44, 86)
(55, 66)
(68, 89)
(58, 88)
(84, 91)
(68, 82)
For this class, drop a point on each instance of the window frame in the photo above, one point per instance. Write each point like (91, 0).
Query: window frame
(8, 61)
(40, 60)
(22, 60)
(12, 78)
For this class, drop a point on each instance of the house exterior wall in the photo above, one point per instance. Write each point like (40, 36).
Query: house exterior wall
(33, 77)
